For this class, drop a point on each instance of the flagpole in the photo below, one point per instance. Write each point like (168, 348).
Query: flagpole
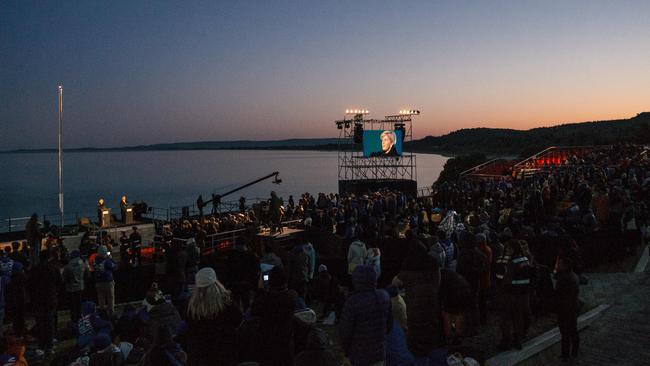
(61, 155)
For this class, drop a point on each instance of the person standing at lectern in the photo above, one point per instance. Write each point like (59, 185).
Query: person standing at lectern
(123, 206)
(100, 209)
(136, 246)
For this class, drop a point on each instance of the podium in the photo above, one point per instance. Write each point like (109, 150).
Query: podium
(105, 218)
(127, 215)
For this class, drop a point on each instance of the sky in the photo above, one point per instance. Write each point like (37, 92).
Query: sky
(142, 72)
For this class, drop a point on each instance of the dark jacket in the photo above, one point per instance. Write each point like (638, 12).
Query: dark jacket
(366, 319)
(243, 266)
(421, 282)
(272, 343)
(163, 314)
(214, 341)
(455, 292)
(318, 352)
(43, 282)
(567, 289)
(472, 263)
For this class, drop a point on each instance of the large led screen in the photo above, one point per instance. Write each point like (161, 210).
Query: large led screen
(382, 143)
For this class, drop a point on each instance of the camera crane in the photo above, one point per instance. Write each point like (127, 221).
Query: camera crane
(216, 198)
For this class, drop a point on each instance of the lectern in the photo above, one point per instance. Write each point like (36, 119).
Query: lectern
(127, 215)
(106, 218)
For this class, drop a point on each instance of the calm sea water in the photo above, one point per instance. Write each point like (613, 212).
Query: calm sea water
(28, 182)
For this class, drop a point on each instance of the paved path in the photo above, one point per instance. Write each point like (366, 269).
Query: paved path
(622, 335)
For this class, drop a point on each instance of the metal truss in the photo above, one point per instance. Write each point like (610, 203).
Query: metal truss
(352, 165)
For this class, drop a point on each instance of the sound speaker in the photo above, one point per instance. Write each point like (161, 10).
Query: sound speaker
(358, 133)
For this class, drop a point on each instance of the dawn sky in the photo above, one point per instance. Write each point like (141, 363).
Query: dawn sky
(141, 72)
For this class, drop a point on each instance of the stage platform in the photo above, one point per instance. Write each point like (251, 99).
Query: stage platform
(285, 234)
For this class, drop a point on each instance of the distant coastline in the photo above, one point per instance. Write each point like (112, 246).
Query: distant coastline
(492, 142)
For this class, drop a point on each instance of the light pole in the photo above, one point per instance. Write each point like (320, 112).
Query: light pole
(61, 156)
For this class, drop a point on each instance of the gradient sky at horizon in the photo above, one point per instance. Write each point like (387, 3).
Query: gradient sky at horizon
(157, 71)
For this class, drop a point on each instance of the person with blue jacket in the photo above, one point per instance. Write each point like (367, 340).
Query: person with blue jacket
(366, 320)
(103, 269)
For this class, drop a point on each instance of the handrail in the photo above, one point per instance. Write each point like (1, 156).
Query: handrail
(478, 167)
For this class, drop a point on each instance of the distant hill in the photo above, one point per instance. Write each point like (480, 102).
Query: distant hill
(289, 144)
(487, 141)
(508, 142)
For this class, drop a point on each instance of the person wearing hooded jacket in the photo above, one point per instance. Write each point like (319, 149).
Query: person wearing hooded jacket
(366, 320)
(357, 253)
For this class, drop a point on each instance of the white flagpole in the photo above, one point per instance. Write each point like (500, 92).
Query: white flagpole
(61, 155)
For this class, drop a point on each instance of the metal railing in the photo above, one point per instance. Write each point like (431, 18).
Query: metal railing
(424, 192)
(13, 224)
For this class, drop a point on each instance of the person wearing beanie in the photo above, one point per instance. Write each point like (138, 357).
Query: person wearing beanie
(273, 341)
(212, 322)
(103, 268)
(366, 320)
(73, 277)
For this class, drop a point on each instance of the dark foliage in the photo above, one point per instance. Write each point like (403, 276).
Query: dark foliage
(454, 166)
(507, 142)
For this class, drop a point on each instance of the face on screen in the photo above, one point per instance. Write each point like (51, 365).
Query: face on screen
(386, 142)
(377, 143)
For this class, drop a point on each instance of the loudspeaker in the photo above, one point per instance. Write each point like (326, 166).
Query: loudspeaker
(358, 133)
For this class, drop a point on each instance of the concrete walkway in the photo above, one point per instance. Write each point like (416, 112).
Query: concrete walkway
(615, 332)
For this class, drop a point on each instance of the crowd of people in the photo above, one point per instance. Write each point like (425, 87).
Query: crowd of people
(471, 251)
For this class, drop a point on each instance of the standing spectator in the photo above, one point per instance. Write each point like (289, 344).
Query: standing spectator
(103, 268)
(136, 246)
(176, 262)
(399, 307)
(311, 255)
(515, 288)
(485, 281)
(567, 305)
(272, 344)
(125, 245)
(366, 320)
(212, 323)
(299, 271)
(421, 280)
(74, 274)
(18, 254)
(33, 233)
(244, 270)
(43, 282)
(193, 259)
(356, 255)
(4, 282)
(472, 264)
(373, 259)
